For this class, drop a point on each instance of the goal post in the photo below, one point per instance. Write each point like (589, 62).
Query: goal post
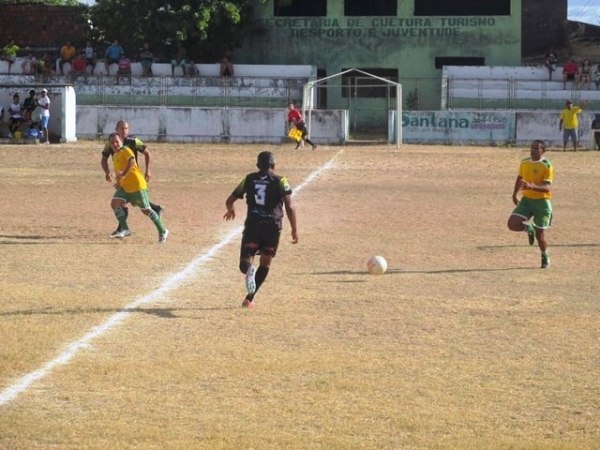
(340, 96)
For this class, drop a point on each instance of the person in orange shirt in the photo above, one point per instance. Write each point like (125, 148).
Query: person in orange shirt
(67, 53)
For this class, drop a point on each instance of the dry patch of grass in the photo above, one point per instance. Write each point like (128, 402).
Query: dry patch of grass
(464, 344)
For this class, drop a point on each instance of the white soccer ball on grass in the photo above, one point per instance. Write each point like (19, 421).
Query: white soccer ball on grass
(376, 265)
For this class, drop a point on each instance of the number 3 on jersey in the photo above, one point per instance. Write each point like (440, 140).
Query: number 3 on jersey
(261, 194)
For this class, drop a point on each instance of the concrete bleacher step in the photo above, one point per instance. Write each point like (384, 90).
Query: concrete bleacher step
(511, 88)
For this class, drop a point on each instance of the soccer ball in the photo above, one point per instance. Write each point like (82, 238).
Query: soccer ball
(376, 265)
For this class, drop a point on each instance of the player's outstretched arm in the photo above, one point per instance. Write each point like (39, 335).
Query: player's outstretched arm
(291, 214)
(230, 214)
(104, 164)
(147, 159)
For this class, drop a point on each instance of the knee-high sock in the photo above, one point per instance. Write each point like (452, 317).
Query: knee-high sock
(259, 278)
(157, 222)
(121, 217)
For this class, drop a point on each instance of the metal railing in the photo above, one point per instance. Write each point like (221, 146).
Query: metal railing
(254, 92)
(511, 94)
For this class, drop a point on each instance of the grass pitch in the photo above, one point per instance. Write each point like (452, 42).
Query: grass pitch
(463, 344)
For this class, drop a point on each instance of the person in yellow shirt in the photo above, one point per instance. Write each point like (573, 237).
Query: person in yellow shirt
(535, 178)
(568, 123)
(9, 53)
(131, 188)
(67, 53)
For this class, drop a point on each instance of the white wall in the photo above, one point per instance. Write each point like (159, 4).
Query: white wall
(194, 124)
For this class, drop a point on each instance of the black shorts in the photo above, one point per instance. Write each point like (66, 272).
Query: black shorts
(260, 238)
(570, 77)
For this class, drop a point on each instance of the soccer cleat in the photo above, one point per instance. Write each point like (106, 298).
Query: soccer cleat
(121, 234)
(545, 261)
(314, 147)
(250, 282)
(116, 232)
(531, 234)
(10, 135)
(248, 303)
(162, 237)
(298, 145)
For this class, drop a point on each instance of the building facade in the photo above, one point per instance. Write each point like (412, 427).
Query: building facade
(409, 41)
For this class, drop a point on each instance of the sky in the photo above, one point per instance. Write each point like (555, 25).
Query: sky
(587, 11)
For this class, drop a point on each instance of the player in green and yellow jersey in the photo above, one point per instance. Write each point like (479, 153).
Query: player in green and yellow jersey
(137, 146)
(535, 178)
(131, 188)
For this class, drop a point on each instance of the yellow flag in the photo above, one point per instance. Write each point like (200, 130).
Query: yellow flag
(295, 134)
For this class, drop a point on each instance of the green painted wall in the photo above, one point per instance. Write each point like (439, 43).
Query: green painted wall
(405, 42)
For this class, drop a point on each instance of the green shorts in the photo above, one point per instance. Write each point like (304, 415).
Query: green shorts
(139, 198)
(539, 209)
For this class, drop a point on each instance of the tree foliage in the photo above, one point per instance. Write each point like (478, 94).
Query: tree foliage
(203, 26)
(40, 2)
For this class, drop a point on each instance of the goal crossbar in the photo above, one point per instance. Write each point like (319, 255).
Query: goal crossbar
(308, 100)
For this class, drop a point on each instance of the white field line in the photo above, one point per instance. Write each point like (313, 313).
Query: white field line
(173, 282)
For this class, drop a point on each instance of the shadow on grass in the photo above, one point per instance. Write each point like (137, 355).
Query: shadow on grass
(550, 246)
(6, 239)
(26, 238)
(431, 272)
(163, 313)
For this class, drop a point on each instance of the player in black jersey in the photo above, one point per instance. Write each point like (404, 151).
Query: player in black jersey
(137, 146)
(266, 195)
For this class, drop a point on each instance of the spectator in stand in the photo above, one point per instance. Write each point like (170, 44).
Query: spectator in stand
(597, 76)
(67, 53)
(179, 60)
(15, 111)
(551, 61)
(146, 59)
(570, 73)
(29, 65)
(585, 75)
(1, 114)
(89, 53)
(79, 68)
(227, 62)
(9, 53)
(569, 123)
(124, 69)
(596, 130)
(44, 103)
(112, 55)
(46, 65)
(190, 69)
(29, 106)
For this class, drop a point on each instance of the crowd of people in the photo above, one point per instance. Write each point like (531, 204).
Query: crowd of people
(33, 113)
(580, 74)
(83, 62)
